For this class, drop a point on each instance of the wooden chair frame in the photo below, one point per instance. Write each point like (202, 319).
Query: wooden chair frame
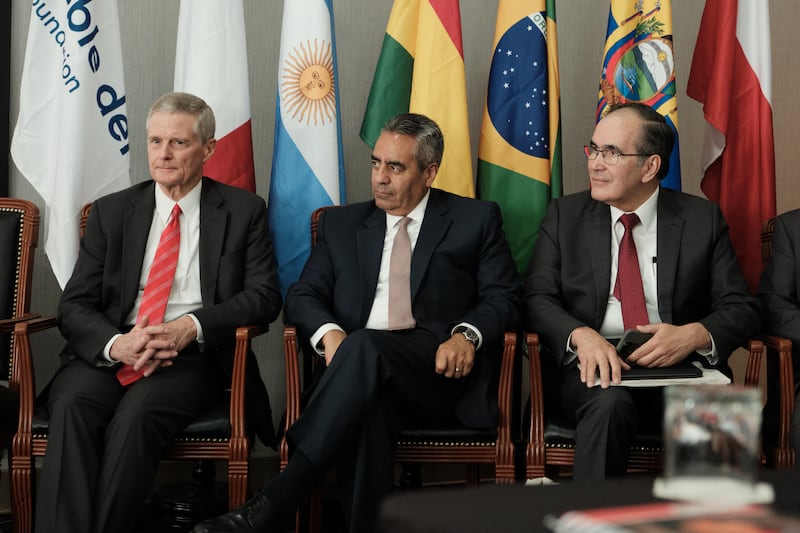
(194, 443)
(544, 458)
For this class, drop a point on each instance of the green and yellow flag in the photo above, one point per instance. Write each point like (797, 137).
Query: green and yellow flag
(519, 157)
(421, 70)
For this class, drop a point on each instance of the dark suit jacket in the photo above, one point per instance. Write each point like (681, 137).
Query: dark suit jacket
(461, 271)
(568, 282)
(779, 290)
(237, 277)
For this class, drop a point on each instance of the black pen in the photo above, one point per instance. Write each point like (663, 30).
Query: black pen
(654, 266)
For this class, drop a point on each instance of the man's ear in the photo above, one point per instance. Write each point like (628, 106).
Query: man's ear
(430, 174)
(650, 168)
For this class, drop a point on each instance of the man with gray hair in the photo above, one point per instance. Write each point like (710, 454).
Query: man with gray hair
(167, 270)
(406, 297)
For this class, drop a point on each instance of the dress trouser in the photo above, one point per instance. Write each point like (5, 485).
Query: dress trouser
(376, 383)
(606, 421)
(105, 441)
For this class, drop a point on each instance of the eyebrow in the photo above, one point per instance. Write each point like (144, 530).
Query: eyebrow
(605, 147)
(392, 163)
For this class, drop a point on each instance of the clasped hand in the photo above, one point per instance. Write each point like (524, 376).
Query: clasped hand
(151, 347)
(668, 346)
(455, 357)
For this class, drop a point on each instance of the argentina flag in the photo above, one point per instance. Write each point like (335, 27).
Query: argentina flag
(307, 161)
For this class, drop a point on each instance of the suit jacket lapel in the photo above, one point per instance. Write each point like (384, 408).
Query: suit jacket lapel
(434, 226)
(369, 240)
(669, 231)
(135, 230)
(598, 241)
(213, 223)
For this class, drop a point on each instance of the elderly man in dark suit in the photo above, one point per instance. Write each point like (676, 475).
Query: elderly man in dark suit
(688, 291)
(429, 352)
(146, 350)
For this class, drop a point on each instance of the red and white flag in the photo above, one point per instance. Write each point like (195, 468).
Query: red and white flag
(71, 137)
(731, 77)
(211, 62)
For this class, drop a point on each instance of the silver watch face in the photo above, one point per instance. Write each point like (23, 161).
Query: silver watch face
(470, 335)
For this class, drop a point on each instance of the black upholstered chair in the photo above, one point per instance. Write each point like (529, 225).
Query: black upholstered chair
(219, 434)
(452, 444)
(551, 439)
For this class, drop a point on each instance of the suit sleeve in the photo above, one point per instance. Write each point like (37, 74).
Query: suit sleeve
(257, 300)
(735, 314)
(778, 288)
(309, 301)
(496, 307)
(80, 317)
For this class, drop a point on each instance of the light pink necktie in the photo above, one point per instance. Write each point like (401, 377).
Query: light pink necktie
(400, 316)
(158, 285)
(628, 289)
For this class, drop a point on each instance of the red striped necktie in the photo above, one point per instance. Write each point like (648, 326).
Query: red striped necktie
(158, 285)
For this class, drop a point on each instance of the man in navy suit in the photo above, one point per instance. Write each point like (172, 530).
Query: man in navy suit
(441, 366)
(696, 300)
(106, 438)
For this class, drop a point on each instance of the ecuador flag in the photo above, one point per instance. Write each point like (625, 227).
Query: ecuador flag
(421, 70)
(638, 66)
(519, 158)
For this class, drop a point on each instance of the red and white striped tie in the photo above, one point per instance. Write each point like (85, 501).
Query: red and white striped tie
(158, 285)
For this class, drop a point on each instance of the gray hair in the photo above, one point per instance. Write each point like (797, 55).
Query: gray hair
(430, 141)
(204, 124)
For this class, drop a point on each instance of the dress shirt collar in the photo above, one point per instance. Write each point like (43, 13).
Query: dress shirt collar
(190, 203)
(647, 212)
(416, 215)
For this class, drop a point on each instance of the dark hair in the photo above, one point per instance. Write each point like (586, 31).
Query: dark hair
(656, 136)
(204, 124)
(430, 141)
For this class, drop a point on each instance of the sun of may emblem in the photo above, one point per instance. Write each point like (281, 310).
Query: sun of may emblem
(307, 85)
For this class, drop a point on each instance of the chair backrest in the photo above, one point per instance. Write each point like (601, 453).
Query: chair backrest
(85, 210)
(767, 232)
(19, 235)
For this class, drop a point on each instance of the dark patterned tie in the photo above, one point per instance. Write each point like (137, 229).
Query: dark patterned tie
(158, 285)
(628, 288)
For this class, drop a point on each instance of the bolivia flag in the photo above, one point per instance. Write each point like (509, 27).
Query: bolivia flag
(421, 70)
(519, 158)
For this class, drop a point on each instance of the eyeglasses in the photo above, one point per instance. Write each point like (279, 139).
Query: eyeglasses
(610, 156)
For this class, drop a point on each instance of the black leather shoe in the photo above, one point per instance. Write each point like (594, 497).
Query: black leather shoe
(258, 514)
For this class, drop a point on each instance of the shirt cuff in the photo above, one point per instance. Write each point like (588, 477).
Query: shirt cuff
(105, 358)
(200, 338)
(710, 354)
(316, 338)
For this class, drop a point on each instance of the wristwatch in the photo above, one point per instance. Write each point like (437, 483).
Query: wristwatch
(470, 334)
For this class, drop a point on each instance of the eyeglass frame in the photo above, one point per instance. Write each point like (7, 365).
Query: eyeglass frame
(588, 149)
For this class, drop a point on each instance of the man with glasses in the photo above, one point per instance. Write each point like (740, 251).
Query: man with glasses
(630, 255)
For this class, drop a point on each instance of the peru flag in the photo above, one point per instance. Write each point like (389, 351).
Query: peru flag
(731, 77)
(211, 62)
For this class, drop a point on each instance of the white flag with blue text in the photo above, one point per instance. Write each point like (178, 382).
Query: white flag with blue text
(71, 137)
(307, 161)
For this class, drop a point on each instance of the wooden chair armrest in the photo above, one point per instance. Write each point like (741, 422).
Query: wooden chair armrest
(505, 390)
(7, 324)
(780, 393)
(23, 377)
(536, 450)
(293, 388)
(244, 335)
(753, 370)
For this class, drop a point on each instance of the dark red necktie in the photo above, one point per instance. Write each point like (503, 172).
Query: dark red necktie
(158, 285)
(628, 288)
